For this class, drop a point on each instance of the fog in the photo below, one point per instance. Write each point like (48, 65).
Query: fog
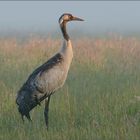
(101, 16)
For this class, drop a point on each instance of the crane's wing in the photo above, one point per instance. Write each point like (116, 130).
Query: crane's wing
(47, 65)
(37, 77)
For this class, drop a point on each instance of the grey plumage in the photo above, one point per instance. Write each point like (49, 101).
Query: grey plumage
(47, 78)
(30, 90)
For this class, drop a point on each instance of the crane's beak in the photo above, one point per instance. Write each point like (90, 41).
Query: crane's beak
(78, 19)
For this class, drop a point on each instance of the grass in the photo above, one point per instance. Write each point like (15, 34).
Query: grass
(99, 101)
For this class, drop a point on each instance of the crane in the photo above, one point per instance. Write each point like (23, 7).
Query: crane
(47, 78)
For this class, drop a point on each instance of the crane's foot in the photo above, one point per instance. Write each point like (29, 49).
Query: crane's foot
(46, 111)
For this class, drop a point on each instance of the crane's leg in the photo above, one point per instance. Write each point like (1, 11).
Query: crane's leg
(46, 111)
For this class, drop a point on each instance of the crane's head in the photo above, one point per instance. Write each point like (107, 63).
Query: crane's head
(66, 17)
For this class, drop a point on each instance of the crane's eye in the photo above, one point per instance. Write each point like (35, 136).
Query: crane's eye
(70, 16)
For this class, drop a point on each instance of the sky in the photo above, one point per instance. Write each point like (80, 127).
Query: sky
(44, 15)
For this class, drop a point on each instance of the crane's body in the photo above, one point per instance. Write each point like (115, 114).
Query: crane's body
(47, 78)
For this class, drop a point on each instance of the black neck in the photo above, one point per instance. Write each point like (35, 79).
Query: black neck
(64, 32)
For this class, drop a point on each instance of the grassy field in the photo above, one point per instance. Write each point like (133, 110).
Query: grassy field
(99, 101)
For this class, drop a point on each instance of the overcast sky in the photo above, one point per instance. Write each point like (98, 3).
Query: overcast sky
(40, 15)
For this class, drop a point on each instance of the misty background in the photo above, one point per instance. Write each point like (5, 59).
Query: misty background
(21, 17)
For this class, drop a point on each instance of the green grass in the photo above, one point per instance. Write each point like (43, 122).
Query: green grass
(99, 101)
